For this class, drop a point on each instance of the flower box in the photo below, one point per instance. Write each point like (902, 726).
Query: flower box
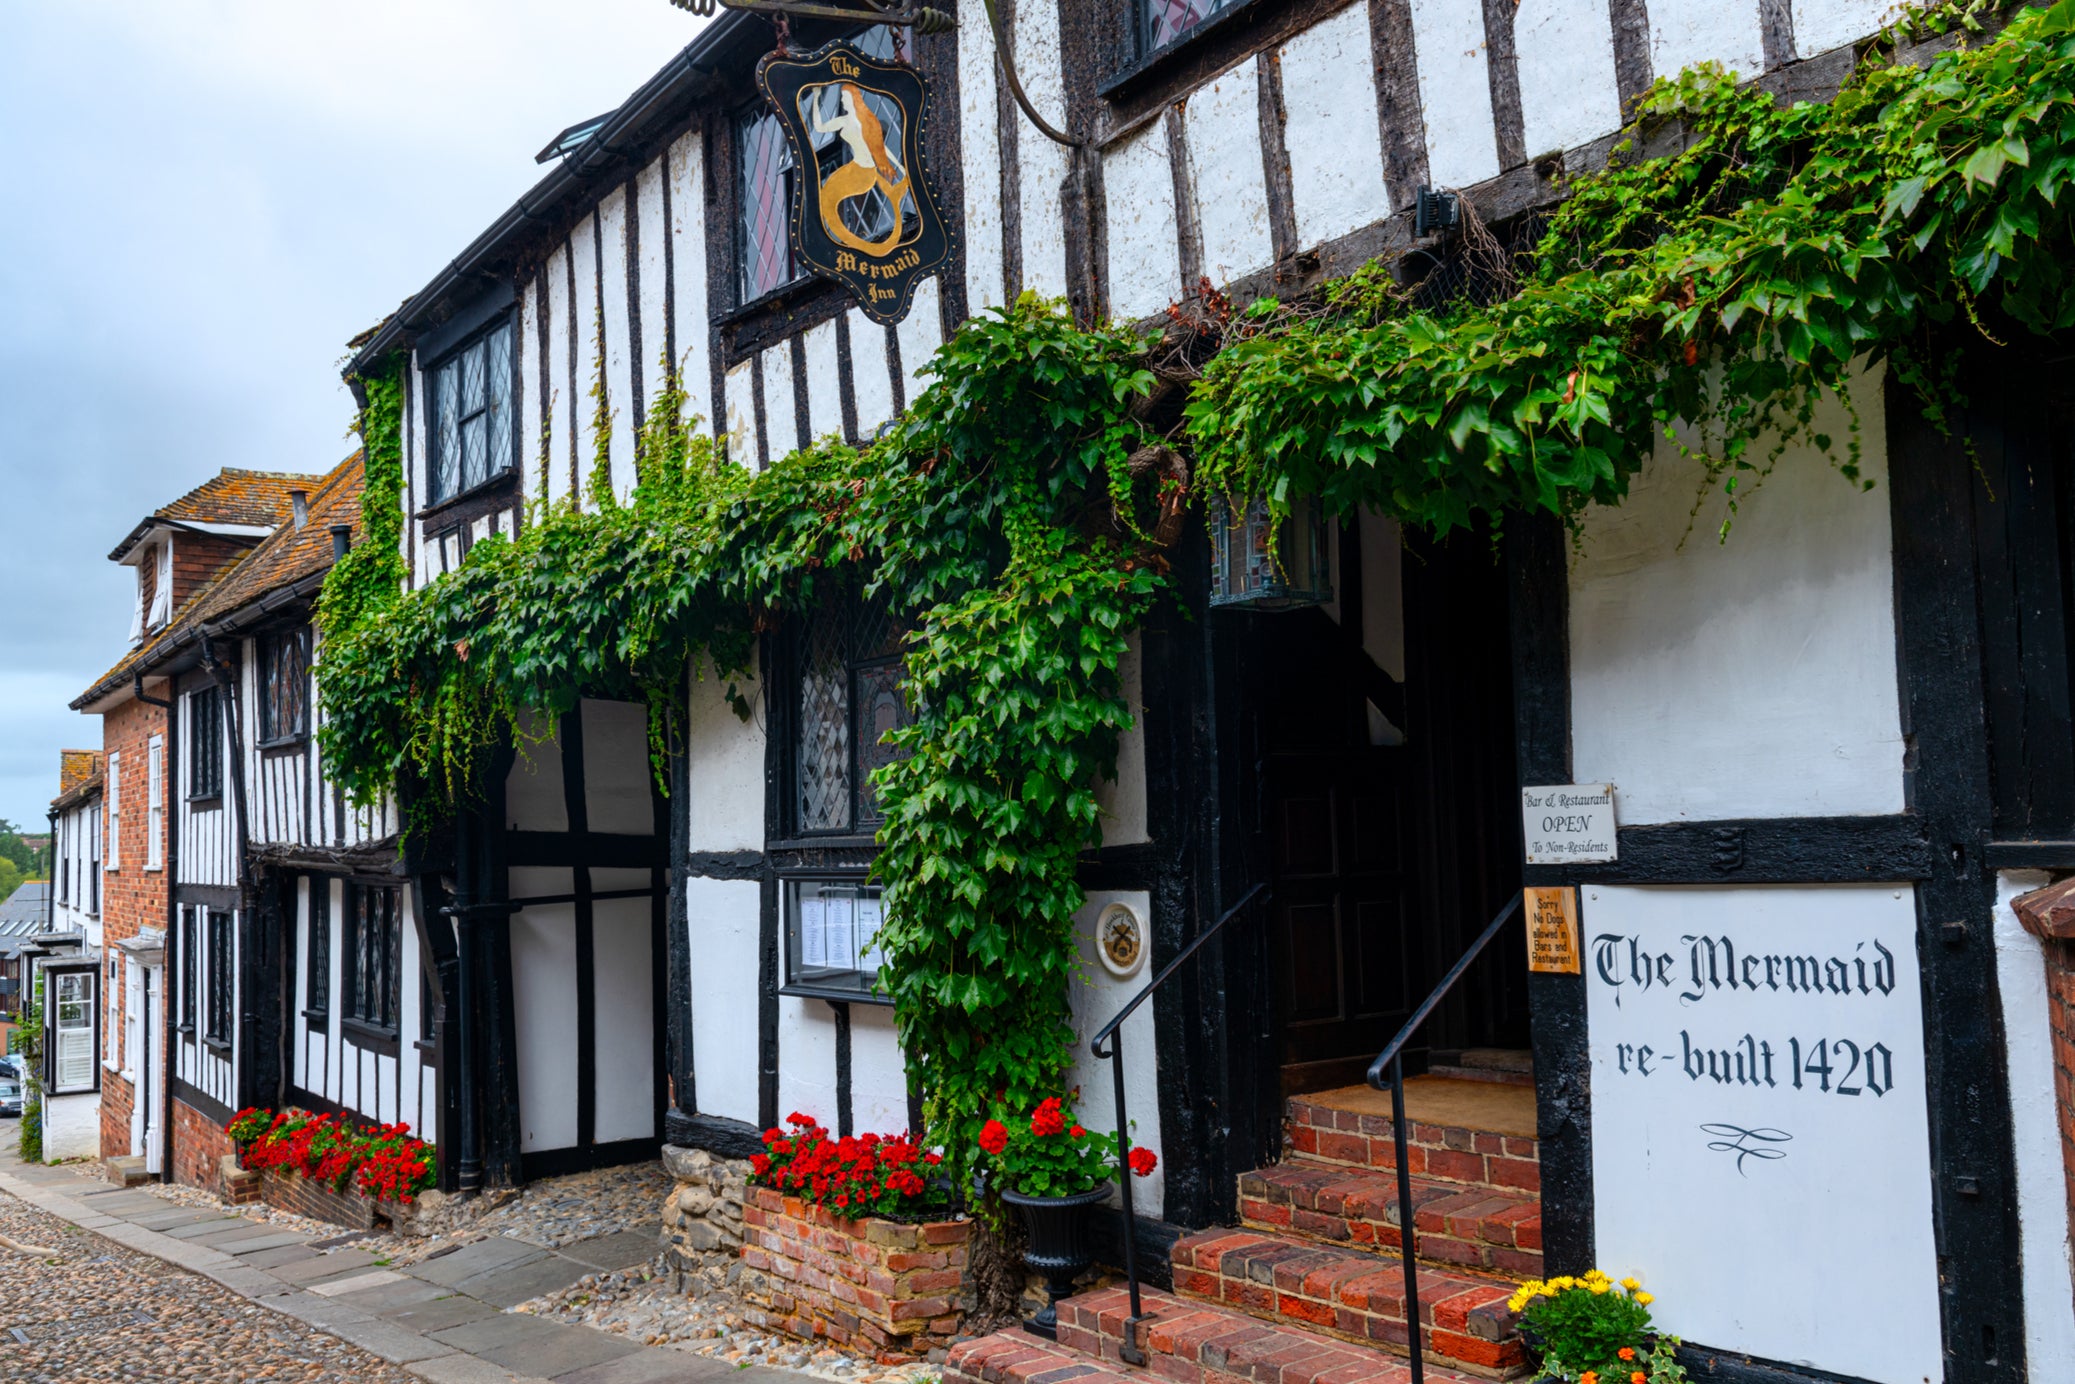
(304, 1196)
(894, 1287)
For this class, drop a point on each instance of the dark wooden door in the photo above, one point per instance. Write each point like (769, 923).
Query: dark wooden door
(1344, 954)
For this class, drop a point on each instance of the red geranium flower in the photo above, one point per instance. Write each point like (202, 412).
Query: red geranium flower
(994, 1137)
(1143, 1161)
(1047, 1118)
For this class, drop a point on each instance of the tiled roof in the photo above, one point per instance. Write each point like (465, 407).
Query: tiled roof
(283, 558)
(28, 904)
(76, 767)
(255, 498)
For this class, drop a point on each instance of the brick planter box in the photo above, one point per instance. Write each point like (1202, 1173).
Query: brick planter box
(895, 1288)
(289, 1191)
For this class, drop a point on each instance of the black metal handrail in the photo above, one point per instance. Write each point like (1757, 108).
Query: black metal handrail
(1392, 1059)
(1112, 1033)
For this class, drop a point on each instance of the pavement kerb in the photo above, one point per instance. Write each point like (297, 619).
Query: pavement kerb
(429, 1359)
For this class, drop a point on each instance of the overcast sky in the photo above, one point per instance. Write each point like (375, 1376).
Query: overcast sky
(207, 199)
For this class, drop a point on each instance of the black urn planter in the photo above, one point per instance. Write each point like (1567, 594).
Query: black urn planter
(1059, 1247)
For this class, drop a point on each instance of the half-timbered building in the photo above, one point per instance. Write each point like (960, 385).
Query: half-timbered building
(1802, 1074)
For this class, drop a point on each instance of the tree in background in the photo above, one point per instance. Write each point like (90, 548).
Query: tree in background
(28, 862)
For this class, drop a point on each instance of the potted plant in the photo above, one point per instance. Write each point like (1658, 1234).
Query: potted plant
(1052, 1169)
(1591, 1330)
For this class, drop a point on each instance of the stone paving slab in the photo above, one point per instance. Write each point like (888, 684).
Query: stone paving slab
(165, 1222)
(497, 1333)
(622, 1249)
(668, 1367)
(523, 1282)
(261, 1244)
(466, 1369)
(397, 1344)
(440, 1314)
(484, 1256)
(386, 1298)
(358, 1283)
(271, 1259)
(570, 1348)
(325, 1266)
(191, 1226)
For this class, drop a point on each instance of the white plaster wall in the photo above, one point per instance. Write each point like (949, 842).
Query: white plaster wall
(533, 413)
(1568, 94)
(722, 917)
(617, 770)
(544, 997)
(724, 768)
(1096, 996)
(1821, 25)
(1752, 678)
(741, 417)
(619, 368)
(655, 306)
(1454, 92)
(1819, 1250)
(781, 411)
(624, 1020)
(583, 245)
(920, 333)
(979, 135)
(71, 1127)
(871, 386)
(824, 382)
(1123, 799)
(878, 1078)
(1041, 164)
(533, 790)
(1144, 256)
(560, 407)
(1685, 32)
(1222, 121)
(688, 274)
(807, 1060)
(1335, 148)
(2042, 1195)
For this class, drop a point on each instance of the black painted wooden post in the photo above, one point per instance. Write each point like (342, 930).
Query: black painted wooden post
(1539, 613)
(1973, 1163)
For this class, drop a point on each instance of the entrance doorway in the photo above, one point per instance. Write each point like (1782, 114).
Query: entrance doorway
(1378, 742)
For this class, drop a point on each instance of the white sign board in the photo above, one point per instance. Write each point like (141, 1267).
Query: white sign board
(1760, 1139)
(1568, 823)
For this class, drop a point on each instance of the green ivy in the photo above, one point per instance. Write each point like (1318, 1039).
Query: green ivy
(1717, 292)
(1007, 519)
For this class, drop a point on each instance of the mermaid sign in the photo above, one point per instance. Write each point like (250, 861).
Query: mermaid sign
(864, 213)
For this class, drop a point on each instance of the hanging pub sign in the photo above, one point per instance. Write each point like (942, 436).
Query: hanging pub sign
(865, 213)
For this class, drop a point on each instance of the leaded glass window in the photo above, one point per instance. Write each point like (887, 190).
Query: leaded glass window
(317, 986)
(205, 743)
(284, 691)
(1164, 21)
(472, 415)
(850, 698)
(373, 981)
(220, 982)
(767, 192)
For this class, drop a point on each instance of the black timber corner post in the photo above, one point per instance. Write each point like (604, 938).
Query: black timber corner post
(1947, 783)
(1538, 611)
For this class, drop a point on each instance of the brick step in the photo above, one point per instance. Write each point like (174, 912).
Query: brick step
(1017, 1357)
(1354, 1294)
(1196, 1343)
(1444, 1153)
(1493, 1229)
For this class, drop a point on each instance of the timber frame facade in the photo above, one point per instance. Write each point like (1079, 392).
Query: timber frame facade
(1857, 709)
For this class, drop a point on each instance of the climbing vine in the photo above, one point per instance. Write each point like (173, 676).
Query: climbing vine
(1015, 519)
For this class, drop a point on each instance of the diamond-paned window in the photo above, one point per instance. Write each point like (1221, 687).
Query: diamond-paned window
(472, 415)
(767, 190)
(850, 698)
(1165, 21)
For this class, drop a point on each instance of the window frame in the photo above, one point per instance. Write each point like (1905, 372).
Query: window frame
(752, 114)
(155, 803)
(1134, 56)
(221, 985)
(113, 856)
(93, 863)
(269, 694)
(380, 952)
(861, 823)
(505, 320)
(190, 971)
(317, 954)
(205, 746)
(852, 985)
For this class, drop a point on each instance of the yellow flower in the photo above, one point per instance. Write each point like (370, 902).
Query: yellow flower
(1645, 1299)
(1598, 1287)
(1631, 1283)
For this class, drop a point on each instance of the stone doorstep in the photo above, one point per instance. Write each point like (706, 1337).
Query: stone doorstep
(1196, 1343)
(1352, 1295)
(1493, 1229)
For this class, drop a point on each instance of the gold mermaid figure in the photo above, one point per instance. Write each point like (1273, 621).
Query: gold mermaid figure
(870, 167)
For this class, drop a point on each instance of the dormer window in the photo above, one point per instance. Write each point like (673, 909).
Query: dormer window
(472, 436)
(154, 588)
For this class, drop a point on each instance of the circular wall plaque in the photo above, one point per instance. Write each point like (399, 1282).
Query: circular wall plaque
(1120, 940)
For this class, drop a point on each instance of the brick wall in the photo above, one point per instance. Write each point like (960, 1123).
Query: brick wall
(196, 558)
(1455, 1155)
(199, 1148)
(879, 1285)
(2060, 1006)
(132, 897)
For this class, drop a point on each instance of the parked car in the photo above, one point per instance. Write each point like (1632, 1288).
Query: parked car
(10, 1095)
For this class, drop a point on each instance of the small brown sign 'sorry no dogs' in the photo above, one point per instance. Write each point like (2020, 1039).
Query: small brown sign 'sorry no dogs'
(1552, 930)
